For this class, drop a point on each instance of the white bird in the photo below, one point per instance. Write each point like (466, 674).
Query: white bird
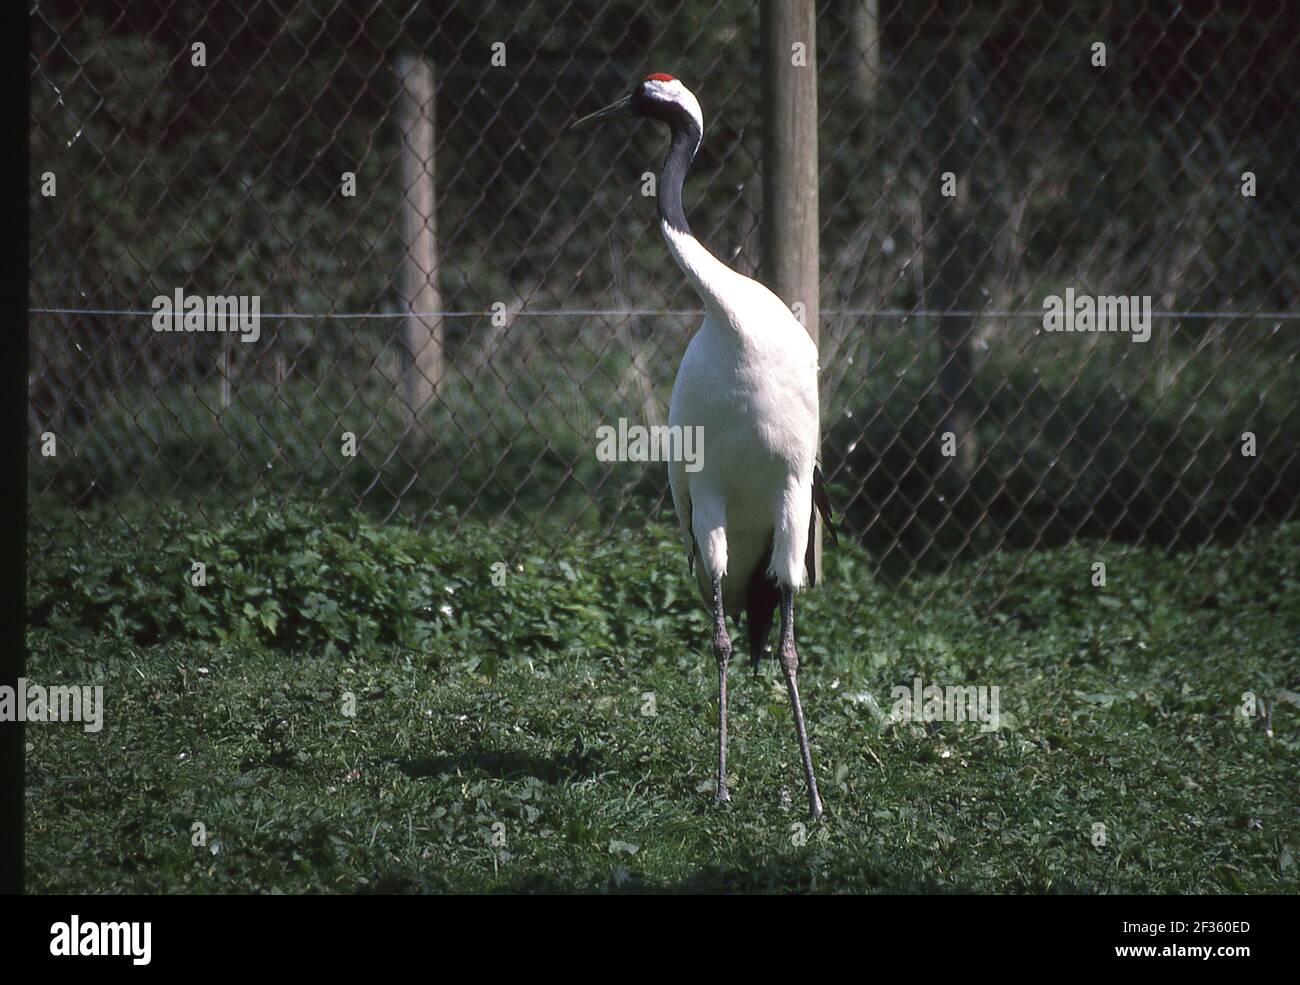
(749, 380)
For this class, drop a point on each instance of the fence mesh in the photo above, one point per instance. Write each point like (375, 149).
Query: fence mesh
(976, 159)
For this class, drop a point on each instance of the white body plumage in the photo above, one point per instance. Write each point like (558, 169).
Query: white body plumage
(749, 380)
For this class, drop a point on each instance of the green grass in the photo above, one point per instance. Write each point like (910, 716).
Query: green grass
(502, 738)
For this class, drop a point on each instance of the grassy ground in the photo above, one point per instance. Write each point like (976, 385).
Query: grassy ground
(556, 732)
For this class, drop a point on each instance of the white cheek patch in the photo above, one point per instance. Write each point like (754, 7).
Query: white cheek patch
(675, 92)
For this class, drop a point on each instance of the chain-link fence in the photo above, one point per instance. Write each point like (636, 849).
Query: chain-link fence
(977, 160)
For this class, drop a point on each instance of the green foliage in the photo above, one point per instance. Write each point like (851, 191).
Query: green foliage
(571, 713)
(297, 578)
(275, 577)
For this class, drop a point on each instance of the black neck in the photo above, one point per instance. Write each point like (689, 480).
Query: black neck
(671, 178)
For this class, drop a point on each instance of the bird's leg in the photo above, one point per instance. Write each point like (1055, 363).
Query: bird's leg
(790, 665)
(722, 652)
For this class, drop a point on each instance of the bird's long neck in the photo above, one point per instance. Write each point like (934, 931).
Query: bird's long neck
(707, 274)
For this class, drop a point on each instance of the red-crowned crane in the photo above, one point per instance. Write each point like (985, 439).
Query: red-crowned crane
(749, 379)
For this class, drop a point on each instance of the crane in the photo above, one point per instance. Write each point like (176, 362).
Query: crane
(749, 380)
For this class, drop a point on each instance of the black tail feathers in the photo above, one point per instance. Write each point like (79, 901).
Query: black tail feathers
(763, 594)
(761, 599)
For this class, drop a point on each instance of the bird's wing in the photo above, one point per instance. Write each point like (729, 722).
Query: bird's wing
(678, 481)
(822, 505)
(681, 491)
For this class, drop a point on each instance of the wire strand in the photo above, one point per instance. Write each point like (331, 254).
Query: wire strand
(648, 312)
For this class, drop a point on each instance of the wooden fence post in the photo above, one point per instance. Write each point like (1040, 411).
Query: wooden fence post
(791, 227)
(422, 334)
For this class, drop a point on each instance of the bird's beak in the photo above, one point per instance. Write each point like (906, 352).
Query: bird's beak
(621, 108)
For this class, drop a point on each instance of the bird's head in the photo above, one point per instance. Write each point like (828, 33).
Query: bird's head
(659, 97)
